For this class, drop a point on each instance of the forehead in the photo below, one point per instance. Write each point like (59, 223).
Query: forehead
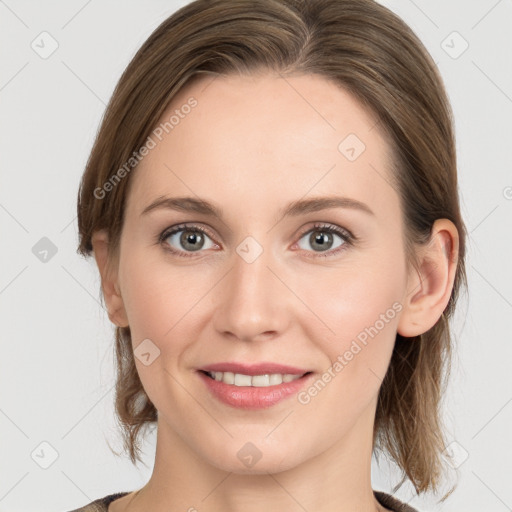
(265, 138)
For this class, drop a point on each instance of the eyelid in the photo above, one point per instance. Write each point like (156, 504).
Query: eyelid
(166, 233)
(328, 226)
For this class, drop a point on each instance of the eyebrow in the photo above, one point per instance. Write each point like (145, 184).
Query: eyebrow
(293, 209)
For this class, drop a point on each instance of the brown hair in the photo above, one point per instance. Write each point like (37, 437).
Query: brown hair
(370, 52)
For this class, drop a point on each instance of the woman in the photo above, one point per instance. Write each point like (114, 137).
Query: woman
(272, 204)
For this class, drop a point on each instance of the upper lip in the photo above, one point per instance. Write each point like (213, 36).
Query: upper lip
(254, 369)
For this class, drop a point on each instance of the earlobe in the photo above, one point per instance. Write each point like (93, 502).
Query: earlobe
(430, 287)
(109, 279)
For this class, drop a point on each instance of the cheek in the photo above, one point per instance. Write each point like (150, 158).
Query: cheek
(359, 307)
(354, 296)
(161, 299)
(148, 296)
(159, 302)
(363, 311)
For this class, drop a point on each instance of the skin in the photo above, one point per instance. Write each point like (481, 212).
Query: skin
(252, 145)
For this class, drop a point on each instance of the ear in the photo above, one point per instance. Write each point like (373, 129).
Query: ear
(429, 290)
(109, 279)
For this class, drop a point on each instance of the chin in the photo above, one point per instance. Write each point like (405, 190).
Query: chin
(255, 459)
(262, 467)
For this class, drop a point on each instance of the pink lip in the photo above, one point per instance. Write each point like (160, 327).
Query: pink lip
(254, 369)
(249, 397)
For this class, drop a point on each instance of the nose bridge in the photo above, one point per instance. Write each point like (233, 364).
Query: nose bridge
(251, 301)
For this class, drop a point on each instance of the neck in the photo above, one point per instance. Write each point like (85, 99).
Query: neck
(337, 479)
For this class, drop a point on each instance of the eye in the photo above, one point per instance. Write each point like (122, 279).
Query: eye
(322, 239)
(184, 240)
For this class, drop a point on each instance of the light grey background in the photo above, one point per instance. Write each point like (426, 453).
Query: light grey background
(56, 368)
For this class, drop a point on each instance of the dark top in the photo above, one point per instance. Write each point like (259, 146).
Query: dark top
(386, 500)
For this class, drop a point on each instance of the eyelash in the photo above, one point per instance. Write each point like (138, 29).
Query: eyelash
(347, 237)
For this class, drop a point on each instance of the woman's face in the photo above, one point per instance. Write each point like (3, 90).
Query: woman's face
(259, 286)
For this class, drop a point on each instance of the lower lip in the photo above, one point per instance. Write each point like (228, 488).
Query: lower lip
(249, 397)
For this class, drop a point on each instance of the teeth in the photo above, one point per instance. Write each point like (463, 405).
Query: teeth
(258, 381)
(243, 380)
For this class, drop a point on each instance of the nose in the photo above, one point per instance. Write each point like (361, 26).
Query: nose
(252, 303)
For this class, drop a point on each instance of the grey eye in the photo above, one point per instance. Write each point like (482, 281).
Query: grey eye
(190, 240)
(321, 240)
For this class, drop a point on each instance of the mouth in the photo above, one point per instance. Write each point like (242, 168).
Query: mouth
(253, 387)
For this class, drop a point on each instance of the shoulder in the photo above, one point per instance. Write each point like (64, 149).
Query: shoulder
(394, 504)
(100, 504)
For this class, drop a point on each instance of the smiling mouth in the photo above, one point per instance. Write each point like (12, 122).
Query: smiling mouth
(258, 381)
